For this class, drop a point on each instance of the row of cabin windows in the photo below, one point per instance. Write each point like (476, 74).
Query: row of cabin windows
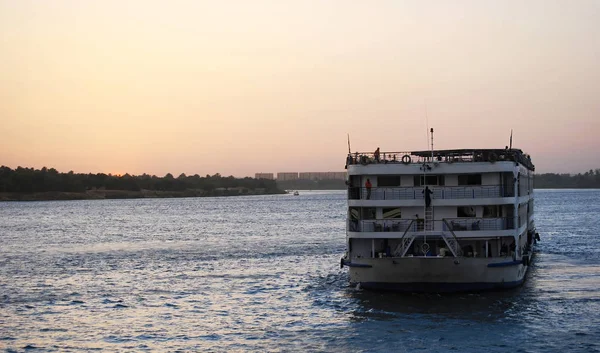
(356, 213)
(420, 180)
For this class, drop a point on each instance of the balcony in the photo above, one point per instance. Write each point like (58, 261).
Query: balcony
(439, 192)
(418, 225)
(470, 224)
(381, 225)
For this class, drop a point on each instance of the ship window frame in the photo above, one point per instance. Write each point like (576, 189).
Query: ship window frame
(435, 180)
(461, 212)
(368, 213)
(491, 211)
(392, 209)
(471, 179)
(388, 180)
(354, 213)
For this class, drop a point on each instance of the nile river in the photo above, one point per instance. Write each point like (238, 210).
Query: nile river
(261, 273)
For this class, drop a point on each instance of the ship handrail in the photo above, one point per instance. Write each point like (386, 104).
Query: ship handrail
(440, 192)
(401, 244)
(458, 251)
(442, 156)
(478, 223)
(448, 224)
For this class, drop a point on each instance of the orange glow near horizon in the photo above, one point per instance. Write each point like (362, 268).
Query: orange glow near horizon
(239, 87)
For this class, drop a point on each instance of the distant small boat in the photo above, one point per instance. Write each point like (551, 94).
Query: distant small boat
(296, 193)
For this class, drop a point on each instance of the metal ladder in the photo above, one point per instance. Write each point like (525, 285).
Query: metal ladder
(429, 218)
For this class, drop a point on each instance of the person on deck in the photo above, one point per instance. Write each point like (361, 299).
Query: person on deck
(376, 154)
(348, 161)
(427, 193)
(368, 187)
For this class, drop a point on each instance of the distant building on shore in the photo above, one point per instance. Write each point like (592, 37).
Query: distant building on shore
(264, 176)
(322, 176)
(284, 176)
(287, 176)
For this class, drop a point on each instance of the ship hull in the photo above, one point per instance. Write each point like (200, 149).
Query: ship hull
(440, 275)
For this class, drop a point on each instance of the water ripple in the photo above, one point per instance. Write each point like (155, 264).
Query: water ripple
(261, 273)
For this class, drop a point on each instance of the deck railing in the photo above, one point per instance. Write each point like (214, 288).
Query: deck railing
(439, 192)
(442, 156)
(467, 224)
(418, 225)
(380, 225)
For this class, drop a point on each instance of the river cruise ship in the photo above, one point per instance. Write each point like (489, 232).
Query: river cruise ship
(439, 220)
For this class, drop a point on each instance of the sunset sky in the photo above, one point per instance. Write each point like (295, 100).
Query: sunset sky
(238, 87)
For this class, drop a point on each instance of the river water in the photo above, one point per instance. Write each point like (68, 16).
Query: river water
(261, 273)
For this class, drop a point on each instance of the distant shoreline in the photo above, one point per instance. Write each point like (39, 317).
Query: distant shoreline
(29, 184)
(153, 194)
(123, 194)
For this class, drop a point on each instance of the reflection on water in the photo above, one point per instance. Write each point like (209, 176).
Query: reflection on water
(261, 274)
(471, 306)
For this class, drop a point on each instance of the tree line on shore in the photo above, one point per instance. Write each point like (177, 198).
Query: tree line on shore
(587, 180)
(30, 180)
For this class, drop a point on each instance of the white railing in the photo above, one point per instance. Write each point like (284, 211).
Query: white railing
(439, 192)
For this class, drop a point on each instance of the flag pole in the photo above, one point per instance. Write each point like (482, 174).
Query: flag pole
(348, 143)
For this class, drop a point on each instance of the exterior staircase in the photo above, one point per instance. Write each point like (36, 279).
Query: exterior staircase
(408, 238)
(451, 241)
(405, 242)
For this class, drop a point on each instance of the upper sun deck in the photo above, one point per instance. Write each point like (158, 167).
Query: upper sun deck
(440, 156)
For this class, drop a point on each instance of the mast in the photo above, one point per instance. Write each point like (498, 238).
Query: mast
(349, 144)
(431, 144)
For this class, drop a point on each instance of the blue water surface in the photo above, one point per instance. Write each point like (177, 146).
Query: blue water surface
(261, 273)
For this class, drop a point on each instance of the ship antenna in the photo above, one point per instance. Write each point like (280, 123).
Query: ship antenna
(431, 144)
(426, 124)
(510, 145)
(349, 144)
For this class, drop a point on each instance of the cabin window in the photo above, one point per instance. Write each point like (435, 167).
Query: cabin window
(491, 211)
(388, 180)
(368, 213)
(354, 180)
(392, 213)
(354, 213)
(421, 180)
(465, 211)
(469, 179)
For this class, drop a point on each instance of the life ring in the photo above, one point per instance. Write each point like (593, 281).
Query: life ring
(493, 157)
(406, 159)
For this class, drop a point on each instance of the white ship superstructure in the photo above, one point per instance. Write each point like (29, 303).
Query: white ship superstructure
(475, 232)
